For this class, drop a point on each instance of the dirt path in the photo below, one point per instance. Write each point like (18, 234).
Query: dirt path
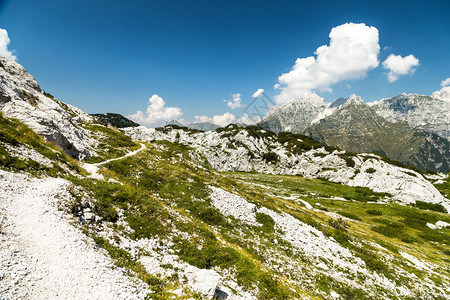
(42, 256)
(93, 168)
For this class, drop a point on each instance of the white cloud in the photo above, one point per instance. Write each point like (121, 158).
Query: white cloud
(258, 93)
(443, 93)
(246, 119)
(235, 102)
(352, 52)
(228, 118)
(4, 42)
(445, 82)
(157, 113)
(221, 120)
(399, 66)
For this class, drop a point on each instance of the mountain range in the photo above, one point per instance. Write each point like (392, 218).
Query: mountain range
(412, 129)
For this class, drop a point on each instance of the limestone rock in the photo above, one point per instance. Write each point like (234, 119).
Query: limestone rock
(203, 281)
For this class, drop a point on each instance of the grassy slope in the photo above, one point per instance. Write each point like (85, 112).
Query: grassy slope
(16, 134)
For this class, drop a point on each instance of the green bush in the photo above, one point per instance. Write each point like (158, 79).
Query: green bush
(370, 170)
(430, 206)
(267, 222)
(271, 157)
(350, 215)
(374, 212)
(339, 224)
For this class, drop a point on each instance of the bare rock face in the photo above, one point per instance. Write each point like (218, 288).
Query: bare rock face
(430, 113)
(22, 98)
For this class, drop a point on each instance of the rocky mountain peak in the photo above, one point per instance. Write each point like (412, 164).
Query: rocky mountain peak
(354, 100)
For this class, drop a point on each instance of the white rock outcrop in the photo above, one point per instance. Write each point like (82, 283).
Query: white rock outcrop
(233, 205)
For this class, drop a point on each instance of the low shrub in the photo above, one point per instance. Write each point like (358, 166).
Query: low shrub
(374, 212)
(430, 206)
(370, 170)
(271, 157)
(339, 224)
(350, 215)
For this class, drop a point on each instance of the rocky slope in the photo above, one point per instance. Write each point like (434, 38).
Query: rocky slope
(37, 240)
(357, 127)
(406, 128)
(115, 120)
(22, 98)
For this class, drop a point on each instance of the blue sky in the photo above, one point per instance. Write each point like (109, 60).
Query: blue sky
(112, 56)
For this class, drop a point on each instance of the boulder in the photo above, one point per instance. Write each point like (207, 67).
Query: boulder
(202, 281)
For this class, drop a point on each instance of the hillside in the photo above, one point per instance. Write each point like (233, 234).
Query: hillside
(235, 213)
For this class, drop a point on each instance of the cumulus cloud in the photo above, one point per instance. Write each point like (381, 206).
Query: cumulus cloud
(443, 94)
(235, 102)
(157, 113)
(228, 118)
(221, 120)
(399, 66)
(4, 42)
(258, 93)
(445, 82)
(246, 119)
(352, 52)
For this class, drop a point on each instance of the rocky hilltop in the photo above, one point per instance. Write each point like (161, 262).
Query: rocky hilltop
(91, 211)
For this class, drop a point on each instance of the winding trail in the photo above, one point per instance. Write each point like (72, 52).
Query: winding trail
(93, 168)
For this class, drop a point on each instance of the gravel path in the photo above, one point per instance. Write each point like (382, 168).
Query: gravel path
(42, 256)
(93, 168)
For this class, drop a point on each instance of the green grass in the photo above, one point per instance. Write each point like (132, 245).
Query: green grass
(164, 169)
(112, 143)
(430, 206)
(165, 192)
(444, 187)
(400, 225)
(15, 133)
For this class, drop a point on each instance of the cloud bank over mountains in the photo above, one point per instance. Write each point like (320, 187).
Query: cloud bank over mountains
(353, 51)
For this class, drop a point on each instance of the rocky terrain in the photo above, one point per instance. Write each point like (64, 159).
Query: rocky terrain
(250, 149)
(115, 120)
(90, 211)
